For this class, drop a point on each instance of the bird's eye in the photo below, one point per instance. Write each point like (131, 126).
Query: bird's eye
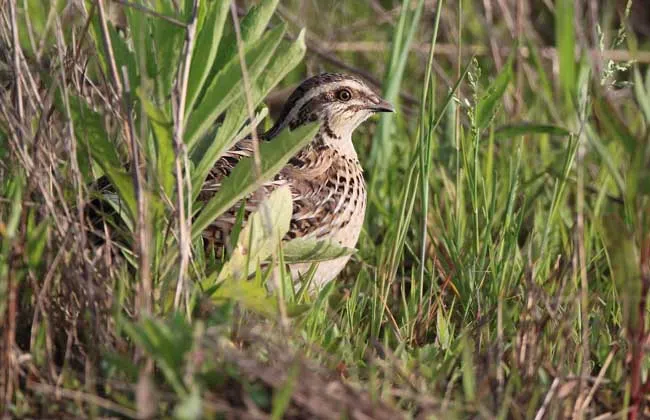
(344, 95)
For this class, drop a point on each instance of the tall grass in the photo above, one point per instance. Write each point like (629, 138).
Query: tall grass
(504, 266)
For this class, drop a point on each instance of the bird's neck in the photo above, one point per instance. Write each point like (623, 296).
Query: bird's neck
(341, 143)
(327, 136)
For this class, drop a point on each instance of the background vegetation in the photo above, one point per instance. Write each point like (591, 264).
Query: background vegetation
(504, 266)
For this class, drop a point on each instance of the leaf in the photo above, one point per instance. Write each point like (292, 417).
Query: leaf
(141, 41)
(92, 136)
(162, 127)
(168, 42)
(205, 51)
(242, 181)
(228, 85)
(210, 149)
(305, 250)
(261, 235)
(167, 343)
(251, 294)
(123, 184)
(287, 56)
(252, 26)
(487, 104)
(524, 128)
(124, 58)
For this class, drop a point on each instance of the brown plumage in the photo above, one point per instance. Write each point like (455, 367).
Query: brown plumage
(325, 178)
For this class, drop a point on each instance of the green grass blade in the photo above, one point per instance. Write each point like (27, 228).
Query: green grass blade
(205, 51)
(252, 26)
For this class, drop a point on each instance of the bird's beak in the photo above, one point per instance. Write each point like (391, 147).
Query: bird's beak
(382, 106)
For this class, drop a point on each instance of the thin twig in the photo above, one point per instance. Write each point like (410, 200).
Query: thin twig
(142, 244)
(547, 399)
(599, 380)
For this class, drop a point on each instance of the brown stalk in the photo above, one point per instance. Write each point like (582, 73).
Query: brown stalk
(181, 168)
(142, 232)
(108, 47)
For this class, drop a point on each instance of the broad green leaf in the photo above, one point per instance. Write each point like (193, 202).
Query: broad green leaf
(525, 128)
(210, 149)
(168, 40)
(162, 129)
(487, 104)
(207, 44)
(91, 134)
(124, 58)
(305, 250)
(167, 344)
(228, 85)
(261, 235)
(123, 184)
(252, 26)
(242, 181)
(142, 42)
(250, 294)
(288, 55)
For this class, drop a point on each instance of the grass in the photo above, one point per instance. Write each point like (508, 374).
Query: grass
(503, 269)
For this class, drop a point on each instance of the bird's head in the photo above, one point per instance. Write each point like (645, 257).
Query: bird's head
(340, 102)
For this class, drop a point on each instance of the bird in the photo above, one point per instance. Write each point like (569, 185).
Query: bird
(325, 178)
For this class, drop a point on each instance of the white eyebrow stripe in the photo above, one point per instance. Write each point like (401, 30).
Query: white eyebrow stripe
(314, 92)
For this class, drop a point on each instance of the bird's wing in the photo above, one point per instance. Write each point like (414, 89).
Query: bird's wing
(317, 192)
